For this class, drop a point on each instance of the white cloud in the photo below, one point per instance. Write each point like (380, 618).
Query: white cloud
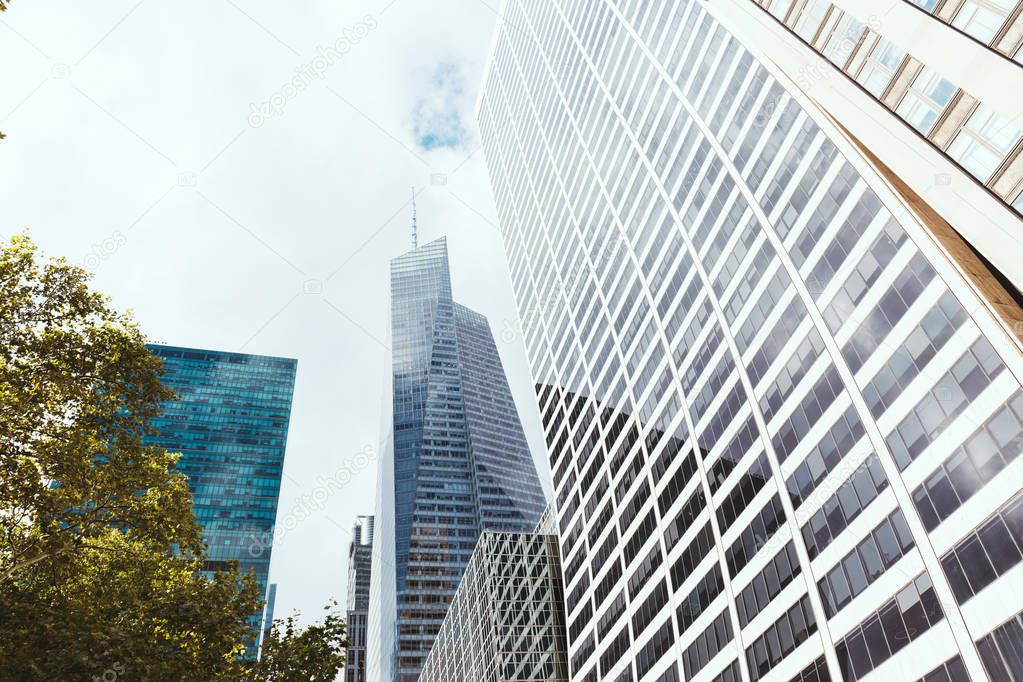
(438, 116)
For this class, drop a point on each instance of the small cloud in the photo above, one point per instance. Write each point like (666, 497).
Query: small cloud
(437, 116)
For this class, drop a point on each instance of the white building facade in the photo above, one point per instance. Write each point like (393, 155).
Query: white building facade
(782, 398)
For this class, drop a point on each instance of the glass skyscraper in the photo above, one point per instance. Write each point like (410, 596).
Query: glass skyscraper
(229, 421)
(360, 565)
(781, 395)
(455, 462)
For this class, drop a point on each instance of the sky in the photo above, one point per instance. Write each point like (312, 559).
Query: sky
(239, 175)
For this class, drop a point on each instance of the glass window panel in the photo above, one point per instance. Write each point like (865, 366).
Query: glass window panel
(854, 571)
(956, 577)
(877, 645)
(1001, 548)
(872, 562)
(888, 544)
(894, 628)
(975, 563)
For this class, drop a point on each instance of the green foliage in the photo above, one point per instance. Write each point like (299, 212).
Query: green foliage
(100, 554)
(313, 654)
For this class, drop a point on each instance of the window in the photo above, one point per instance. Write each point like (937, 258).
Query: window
(987, 553)
(653, 650)
(951, 670)
(810, 19)
(982, 19)
(926, 98)
(707, 645)
(984, 142)
(843, 40)
(879, 69)
(833, 447)
(1001, 650)
(913, 355)
(815, 672)
(767, 584)
(960, 386)
(755, 536)
(983, 456)
(897, 623)
(781, 639)
(742, 494)
(700, 598)
(692, 556)
(851, 498)
(879, 551)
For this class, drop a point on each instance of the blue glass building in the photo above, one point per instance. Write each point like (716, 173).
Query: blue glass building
(455, 462)
(230, 424)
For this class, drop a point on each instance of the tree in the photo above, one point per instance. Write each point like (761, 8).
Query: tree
(313, 654)
(100, 553)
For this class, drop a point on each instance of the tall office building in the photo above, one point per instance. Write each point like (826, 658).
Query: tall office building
(229, 421)
(455, 462)
(781, 392)
(360, 563)
(506, 623)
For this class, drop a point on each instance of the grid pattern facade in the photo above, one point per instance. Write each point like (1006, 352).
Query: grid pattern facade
(507, 620)
(997, 24)
(461, 464)
(360, 565)
(229, 421)
(982, 141)
(750, 357)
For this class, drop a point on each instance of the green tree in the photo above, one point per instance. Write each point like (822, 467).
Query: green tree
(313, 654)
(100, 553)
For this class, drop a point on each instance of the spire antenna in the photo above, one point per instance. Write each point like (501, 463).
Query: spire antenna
(415, 228)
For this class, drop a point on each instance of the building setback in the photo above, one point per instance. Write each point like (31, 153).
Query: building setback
(507, 621)
(229, 421)
(360, 561)
(782, 403)
(455, 462)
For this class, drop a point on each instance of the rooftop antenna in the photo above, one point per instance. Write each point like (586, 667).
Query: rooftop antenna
(415, 234)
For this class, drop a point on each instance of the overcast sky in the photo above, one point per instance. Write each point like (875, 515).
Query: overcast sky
(238, 173)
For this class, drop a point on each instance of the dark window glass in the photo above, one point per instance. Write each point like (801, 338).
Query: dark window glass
(871, 559)
(888, 544)
(859, 657)
(912, 612)
(894, 628)
(854, 571)
(975, 563)
(877, 645)
(999, 545)
(956, 577)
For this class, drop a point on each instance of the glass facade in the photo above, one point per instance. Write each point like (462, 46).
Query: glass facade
(360, 558)
(229, 421)
(756, 369)
(507, 621)
(456, 461)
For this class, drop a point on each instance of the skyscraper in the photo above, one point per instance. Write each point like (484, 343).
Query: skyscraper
(230, 424)
(360, 563)
(506, 623)
(781, 393)
(455, 461)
